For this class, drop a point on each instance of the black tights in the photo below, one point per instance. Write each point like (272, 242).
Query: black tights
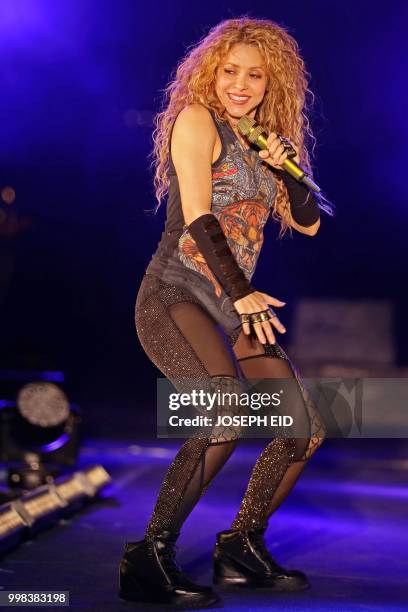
(183, 340)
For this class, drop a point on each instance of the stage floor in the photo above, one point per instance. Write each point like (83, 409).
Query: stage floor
(344, 525)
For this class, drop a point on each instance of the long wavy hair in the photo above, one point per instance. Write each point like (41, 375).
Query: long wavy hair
(284, 108)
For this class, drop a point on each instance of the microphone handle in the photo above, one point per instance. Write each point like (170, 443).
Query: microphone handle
(291, 167)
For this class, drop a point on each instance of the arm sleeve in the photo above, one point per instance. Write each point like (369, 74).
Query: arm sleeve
(304, 205)
(212, 243)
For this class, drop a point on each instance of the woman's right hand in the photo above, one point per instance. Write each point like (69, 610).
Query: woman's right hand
(255, 302)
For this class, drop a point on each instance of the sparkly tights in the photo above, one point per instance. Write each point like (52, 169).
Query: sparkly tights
(183, 341)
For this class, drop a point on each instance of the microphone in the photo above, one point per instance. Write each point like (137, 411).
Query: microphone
(256, 134)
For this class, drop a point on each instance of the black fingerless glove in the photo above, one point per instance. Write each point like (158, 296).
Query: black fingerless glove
(211, 242)
(304, 206)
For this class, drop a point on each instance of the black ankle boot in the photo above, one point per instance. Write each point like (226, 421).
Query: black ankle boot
(241, 559)
(149, 573)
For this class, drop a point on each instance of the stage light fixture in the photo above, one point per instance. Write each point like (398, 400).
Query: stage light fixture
(8, 195)
(43, 507)
(43, 404)
(38, 430)
(12, 527)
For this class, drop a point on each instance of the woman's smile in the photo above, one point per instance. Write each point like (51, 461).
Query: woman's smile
(240, 100)
(241, 81)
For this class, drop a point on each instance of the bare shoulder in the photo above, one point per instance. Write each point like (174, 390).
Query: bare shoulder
(195, 122)
(196, 114)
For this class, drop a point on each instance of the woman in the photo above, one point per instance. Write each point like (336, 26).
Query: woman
(196, 296)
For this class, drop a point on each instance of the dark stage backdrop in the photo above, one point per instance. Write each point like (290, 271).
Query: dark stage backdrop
(81, 82)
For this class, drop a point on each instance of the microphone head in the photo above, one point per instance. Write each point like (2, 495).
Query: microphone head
(245, 124)
(248, 128)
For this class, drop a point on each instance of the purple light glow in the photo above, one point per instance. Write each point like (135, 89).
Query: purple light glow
(55, 445)
(358, 488)
(32, 375)
(19, 19)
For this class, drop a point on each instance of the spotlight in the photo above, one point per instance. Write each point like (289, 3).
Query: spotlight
(38, 433)
(8, 195)
(43, 404)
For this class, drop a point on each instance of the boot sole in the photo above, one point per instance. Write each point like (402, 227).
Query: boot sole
(237, 583)
(133, 592)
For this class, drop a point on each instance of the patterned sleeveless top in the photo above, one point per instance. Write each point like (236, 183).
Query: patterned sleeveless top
(243, 192)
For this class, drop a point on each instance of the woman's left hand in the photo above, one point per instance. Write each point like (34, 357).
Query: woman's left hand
(276, 154)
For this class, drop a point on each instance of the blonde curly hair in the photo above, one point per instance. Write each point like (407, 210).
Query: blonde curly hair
(284, 108)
